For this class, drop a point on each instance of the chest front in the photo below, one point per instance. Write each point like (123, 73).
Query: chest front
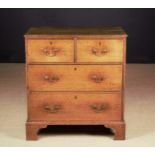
(74, 78)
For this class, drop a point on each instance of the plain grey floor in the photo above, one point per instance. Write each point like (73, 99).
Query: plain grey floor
(139, 112)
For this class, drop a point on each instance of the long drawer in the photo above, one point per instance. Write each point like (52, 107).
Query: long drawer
(74, 106)
(75, 77)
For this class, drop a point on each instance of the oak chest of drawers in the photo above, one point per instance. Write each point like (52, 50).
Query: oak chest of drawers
(75, 76)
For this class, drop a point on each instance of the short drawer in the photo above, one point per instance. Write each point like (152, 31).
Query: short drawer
(75, 77)
(105, 50)
(74, 106)
(48, 50)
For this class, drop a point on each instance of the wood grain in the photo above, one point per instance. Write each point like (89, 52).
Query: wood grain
(106, 30)
(75, 77)
(113, 50)
(39, 50)
(74, 106)
(118, 129)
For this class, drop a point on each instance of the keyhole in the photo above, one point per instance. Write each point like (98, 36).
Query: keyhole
(75, 97)
(50, 42)
(75, 68)
(99, 43)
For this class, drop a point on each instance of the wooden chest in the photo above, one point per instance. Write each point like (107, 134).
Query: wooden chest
(75, 76)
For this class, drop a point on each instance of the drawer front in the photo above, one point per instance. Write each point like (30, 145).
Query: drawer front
(50, 51)
(75, 77)
(74, 106)
(110, 50)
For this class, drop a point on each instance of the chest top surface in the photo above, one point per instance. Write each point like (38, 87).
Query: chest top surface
(75, 31)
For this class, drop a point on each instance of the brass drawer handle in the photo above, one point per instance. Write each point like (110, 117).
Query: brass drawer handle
(99, 52)
(51, 52)
(99, 107)
(52, 108)
(52, 78)
(97, 78)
